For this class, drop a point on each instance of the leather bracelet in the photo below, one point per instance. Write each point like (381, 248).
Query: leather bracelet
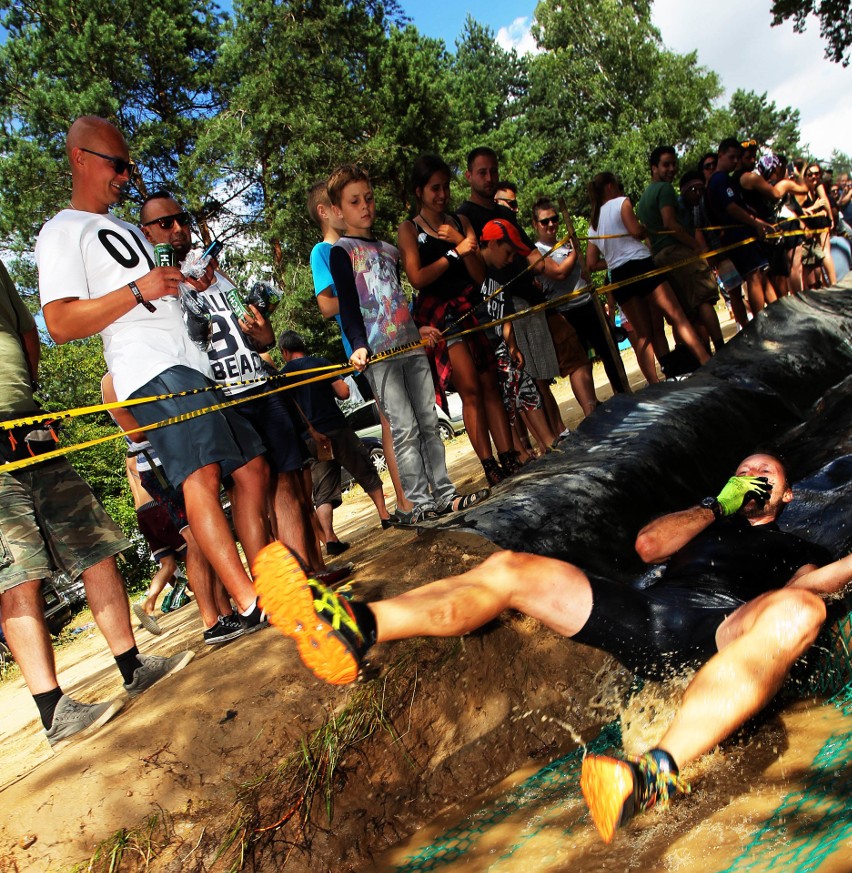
(139, 298)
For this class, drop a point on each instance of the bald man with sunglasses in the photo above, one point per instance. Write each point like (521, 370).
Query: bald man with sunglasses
(97, 274)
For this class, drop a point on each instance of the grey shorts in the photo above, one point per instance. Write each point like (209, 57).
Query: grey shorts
(224, 437)
(349, 452)
(50, 520)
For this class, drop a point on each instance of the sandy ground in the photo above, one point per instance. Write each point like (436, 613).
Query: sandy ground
(179, 758)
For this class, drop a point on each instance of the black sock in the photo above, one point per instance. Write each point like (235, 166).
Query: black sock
(127, 663)
(46, 703)
(365, 620)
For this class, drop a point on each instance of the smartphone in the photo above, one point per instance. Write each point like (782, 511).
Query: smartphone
(213, 249)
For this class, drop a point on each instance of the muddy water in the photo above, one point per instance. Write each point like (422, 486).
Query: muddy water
(778, 798)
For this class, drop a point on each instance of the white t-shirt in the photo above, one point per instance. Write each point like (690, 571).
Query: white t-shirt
(233, 358)
(616, 252)
(85, 255)
(557, 287)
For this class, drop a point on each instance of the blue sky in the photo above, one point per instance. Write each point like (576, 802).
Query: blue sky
(445, 20)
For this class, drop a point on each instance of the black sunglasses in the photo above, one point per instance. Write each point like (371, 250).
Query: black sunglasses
(551, 219)
(119, 164)
(709, 166)
(512, 203)
(167, 222)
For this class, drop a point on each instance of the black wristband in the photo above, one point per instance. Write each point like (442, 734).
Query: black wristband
(139, 298)
(713, 505)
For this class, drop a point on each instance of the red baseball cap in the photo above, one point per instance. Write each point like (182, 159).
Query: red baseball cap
(500, 230)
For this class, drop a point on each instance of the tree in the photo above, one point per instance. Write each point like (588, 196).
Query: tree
(840, 162)
(835, 23)
(147, 71)
(601, 97)
(754, 117)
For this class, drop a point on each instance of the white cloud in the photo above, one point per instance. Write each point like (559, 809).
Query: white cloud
(735, 40)
(518, 36)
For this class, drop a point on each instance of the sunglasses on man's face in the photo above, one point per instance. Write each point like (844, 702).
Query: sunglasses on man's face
(120, 165)
(550, 219)
(512, 204)
(167, 222)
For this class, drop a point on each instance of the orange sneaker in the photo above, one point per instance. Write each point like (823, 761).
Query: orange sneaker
(615, 790)
(327, 636)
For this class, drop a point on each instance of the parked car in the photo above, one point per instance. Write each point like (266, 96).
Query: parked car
(364, 418)
(377, 456)
(75, 592)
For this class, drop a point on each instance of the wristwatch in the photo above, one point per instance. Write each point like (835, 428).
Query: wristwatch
(713, 504)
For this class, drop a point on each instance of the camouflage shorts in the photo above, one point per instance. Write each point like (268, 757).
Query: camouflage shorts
(50, 520)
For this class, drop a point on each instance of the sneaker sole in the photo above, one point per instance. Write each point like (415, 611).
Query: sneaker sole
(113, 709)
(606, 784)
(147, 621)
(218, 641)
(284, 594)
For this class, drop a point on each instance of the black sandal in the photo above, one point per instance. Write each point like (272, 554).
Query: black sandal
(461, 502)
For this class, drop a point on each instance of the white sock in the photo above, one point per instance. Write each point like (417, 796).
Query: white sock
(250, 610)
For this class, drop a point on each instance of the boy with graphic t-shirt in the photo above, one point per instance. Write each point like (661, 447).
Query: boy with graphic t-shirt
(376, 319)
(319, 209)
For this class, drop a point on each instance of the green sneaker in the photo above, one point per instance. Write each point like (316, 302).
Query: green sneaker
(329, 641)
(615, 790)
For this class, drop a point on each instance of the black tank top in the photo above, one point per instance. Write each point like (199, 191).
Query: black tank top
(456, 281)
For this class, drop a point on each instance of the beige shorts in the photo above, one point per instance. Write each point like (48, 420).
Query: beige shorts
(694, 283)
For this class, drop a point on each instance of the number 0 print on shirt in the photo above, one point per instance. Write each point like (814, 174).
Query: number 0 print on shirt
(121, 250)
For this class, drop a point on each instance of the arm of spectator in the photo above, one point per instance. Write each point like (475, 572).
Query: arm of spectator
(825, 203)
(409, 254)
(784, 186)
(73, 318)
(537, 261)
(631, 222)
(340, 388)
(563, 270)
(257, 328)
(594, 261)
(664, 536)
(122, 417)
(351, 319)
(512, 345)
(743, 217)
(329, 305)
(679, 232)
(468, 249)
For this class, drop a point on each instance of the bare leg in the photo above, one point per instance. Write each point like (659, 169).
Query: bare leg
(202, 579)
(249, 498)
(403, 504)
(165, 573)
(537, 422)
(466, 382)
(794, 257)
(710, 321)
(107, 598)
(756, 291)
(498, 419)
(828, 260)
(325, 514)
(22, 617)
(665, 299)
(550, 407)
(295, 513)
(638, 312)
(555, 593)
(378, 498)
(583, 386)
(758, 645)
(213, 533)
(738, 306)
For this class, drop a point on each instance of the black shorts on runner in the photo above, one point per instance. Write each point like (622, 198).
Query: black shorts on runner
(653, 633)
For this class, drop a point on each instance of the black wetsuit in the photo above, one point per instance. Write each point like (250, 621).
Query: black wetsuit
(673, 622)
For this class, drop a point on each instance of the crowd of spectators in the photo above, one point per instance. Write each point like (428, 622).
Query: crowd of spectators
(278, 454)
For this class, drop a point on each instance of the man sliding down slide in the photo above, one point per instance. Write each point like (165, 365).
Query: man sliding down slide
(738, 595)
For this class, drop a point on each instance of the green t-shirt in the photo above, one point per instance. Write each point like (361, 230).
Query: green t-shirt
(649, 209)
(16, 393)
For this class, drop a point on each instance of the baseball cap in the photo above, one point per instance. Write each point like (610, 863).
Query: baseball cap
(500, 230)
